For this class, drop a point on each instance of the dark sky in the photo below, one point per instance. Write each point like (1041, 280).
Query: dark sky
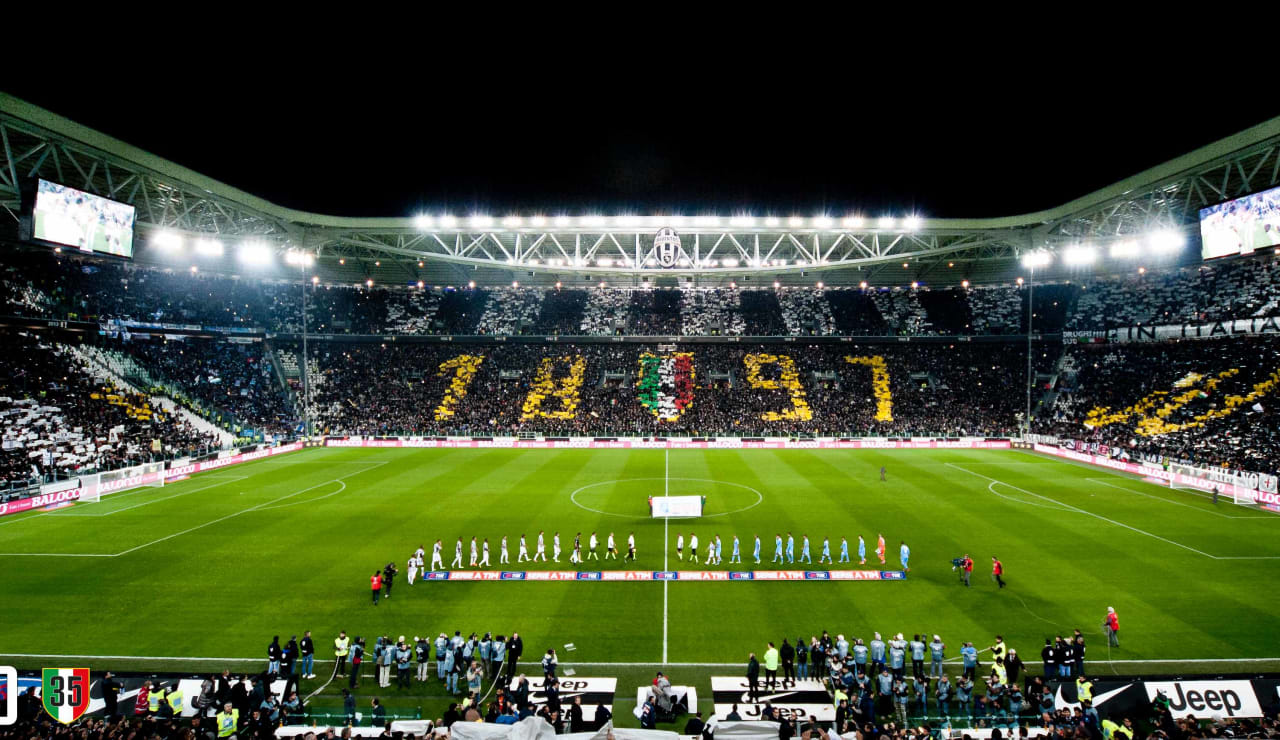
(971, 144)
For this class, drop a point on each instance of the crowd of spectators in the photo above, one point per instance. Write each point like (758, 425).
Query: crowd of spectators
(56, 419)
(41, 284)
(231, 378)
(1199, 411)
(952, 389)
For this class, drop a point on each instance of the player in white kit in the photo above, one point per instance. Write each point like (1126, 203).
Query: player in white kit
(594, 543)
(413, 568)
(504, 557)
(555, 547)
(457, 555)
(437, 558)
(542, 549)
(484, 559)
(473, 552)
(680, 546)
(611, 548)
(524, 551)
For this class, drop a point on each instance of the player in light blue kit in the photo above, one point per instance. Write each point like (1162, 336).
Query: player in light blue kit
(777, 548)
(844, 550)
(826, 550)
(791, 548)
(804, 551)
(862, 550)
(736, 557)
(719, 546)
(757, 549)
(904, 554)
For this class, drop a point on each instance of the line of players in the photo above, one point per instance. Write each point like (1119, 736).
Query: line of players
(787, 553)
(480, 552)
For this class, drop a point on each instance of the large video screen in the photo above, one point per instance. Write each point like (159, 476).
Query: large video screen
(87, 222)
(1241, 226)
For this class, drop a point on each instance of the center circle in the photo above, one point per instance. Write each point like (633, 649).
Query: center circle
(628, 497)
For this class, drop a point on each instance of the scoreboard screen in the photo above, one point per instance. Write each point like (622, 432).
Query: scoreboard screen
(73, 218)
(1241, 226)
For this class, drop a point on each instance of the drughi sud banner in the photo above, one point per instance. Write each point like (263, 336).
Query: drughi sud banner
(1212, 330)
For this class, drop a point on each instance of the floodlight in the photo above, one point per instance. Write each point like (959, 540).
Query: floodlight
(965, 283)
(562, 221)
(512, 222)
(915, 284)
(912, 223)
(368, 283)
(742, 221)
(193, 269)
(515, 283)
(1039, 258)
(819, 285)
(594, 220)
(885, 222)
(166, 239)
(538, 221)
(423, 222)
(706, 221)
(823, 222)
(1081, 254)
(628, 220)
(209, 247)
(481, 222)
(254, 253)
(604, 262)
(421, 285)
(471, 284)
(1167, 240)
(557, 285)
(777, 284)
(863, 285)
(771, 221)
(448, 222)
(795, 222)
(853, 222)
(729, 262)
(315, 279)
(1019, 281)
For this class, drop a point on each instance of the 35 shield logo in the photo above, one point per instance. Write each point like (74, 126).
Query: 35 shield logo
(65, 692)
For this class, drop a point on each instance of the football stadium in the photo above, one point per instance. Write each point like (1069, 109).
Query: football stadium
(269, 472)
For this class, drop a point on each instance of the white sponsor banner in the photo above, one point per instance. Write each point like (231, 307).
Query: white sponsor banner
(798, 698)
(1207, 699)
(675, 506)
(680, 444)
(594, 692)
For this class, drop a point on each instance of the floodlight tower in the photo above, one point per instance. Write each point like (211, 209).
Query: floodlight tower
(304, 259)
(1031, 261)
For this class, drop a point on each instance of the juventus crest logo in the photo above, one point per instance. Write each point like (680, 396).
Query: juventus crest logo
(666, 246)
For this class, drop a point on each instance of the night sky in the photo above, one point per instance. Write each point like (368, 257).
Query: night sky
(969, 147)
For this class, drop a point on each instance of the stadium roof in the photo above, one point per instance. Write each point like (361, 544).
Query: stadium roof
(440, 248)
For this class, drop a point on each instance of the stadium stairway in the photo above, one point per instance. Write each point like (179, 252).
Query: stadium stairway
(282, 374)
(117, 369)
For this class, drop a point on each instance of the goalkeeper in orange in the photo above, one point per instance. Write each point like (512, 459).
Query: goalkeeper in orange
(880, 548)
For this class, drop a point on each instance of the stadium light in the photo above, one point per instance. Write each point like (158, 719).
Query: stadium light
(1166, 241)
(1126, 249)
(628, 220)
(819, 285)
(421, 285)
(512, 222)
(1038, 258)
(604, 262)
(777, 284)
(423, 222)
(557, 285)
(863, 285)
(965, 283)
(706, 221)
(593, 220)
(448, 222)
(772, 222)
(471, 284)
(733, 283)
(912, 223)
(601, 283)
(1019, 281)
(342, 260)
(377, 263)
(743, 221)
(194, 270)
(795, 222)
(368, 282)
(315, 279)
(730, 262)
(1142, 271)
(885, 222)
(299, 257)
(170, 240)
(538, 221)
(419, 263)
(675, 219)
(209, 247)
(853, 222)
(914, 284)
(562, 221)
(254, 253)
(823, 222)
(1080, 254)
(515, 283)
(480, 221)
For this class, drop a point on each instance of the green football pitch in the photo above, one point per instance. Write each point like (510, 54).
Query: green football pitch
(215, 565)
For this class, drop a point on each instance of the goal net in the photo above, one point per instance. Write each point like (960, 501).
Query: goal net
(96, 485)
(1229, 488)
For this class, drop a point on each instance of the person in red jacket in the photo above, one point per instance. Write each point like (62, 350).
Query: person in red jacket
(967, 569)
(997, 570)
(1112, 626)
(375, 583)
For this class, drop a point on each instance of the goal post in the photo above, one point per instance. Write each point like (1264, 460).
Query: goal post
(1228, 486)
(96, 485)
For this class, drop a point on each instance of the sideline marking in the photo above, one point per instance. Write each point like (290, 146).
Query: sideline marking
(1078, 510)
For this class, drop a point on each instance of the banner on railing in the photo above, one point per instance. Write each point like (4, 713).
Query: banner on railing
(772, 443)
(177, 471)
